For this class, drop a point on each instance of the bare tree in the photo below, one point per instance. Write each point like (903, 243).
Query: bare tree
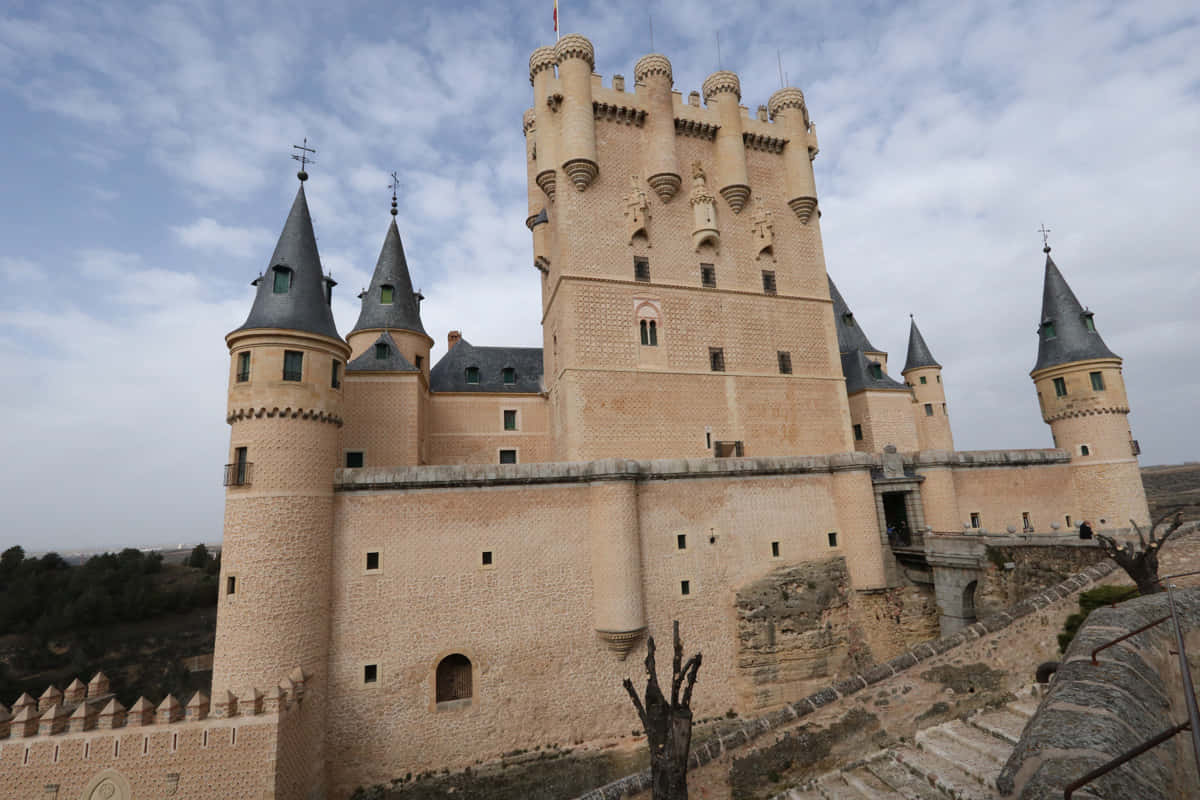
(668, 724)
(1142, 564)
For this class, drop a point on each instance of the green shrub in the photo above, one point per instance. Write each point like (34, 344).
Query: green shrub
(1089, 601)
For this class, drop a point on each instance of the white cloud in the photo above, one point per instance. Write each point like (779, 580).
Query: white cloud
(209, 235)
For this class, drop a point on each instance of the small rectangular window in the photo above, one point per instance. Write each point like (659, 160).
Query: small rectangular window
(385, 295)
(283, 280)
(976, 522)
(1089, 323)
(354, 459)
(1084, 450)
(230, 584)
(641, 269)
(785, 362)
(293, 365)
(924, 380)
(510, 375)
(832, 538)
(768, 281)
(370, 673)
(1026, 523)
(775, 549)
(472, 374)
(685, 587)
(1048, 330)
(929, 409)
(716, 359)
(418, 361)
(858, 436)
(508, 456)
(381, 351)
(487, 558)
(939, 378)
(510, 419)
(243, 367)
(373, 560)
(336, 379)
(1060, 387)
(681, 541)
(708, 276)
(1097, 381)
(877, 371)
(1068, 518)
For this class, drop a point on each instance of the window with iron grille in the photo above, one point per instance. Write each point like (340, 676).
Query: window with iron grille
(641, 269)
(768, 281)
(453, 678)
(293, 365)
(708, 276)
(243, 367)
(716, 359)
(510, 419)
(785, 362)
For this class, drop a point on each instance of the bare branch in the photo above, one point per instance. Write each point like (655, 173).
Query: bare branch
(1141, 538)
(676, 675)
(637, 702)
(651, 669)
(694, 664)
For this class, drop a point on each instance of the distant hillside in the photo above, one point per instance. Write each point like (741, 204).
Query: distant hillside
(1173, 486)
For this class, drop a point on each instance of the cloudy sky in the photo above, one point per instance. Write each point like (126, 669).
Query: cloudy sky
(144, 158)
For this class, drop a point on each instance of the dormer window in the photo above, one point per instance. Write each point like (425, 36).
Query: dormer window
(848, 319)
(1048, 330)
(472, 374)
(385, 295)
(381, 351)
(510, 375)
(282, 280)
(1088, 322)
(876, 372)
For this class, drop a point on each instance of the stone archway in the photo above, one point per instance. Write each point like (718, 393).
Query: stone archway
(108, 785)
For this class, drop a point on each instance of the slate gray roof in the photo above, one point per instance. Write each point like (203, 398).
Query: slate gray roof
(395, 361)
(918, 352)
(304, 307)
(1072, 341)
(450, 373)
(403, 313)
(857, 369)
(850, 335)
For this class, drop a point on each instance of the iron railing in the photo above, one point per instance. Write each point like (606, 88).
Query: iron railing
(238, 473)
(1189, 693)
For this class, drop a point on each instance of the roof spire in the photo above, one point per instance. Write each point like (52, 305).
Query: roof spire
(303, 157)
(390, 302)
(1045, 238)
(1066, 331)
(395, 186)
(918, 352)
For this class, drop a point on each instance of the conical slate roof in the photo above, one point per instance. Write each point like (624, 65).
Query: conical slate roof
(393, 360)
(850, 336)
(403, 313)
(1063, 334)
(918, 352)
(305, 304)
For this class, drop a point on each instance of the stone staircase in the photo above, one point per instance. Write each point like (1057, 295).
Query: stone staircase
(958, 759)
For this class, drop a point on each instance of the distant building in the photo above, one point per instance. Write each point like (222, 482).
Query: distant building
(429, 564)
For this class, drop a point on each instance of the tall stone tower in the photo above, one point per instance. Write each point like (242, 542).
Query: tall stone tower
(1081, 393)
(924, 376)
(285, 411)
(685, 303)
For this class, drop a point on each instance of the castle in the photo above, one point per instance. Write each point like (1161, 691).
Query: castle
(425, 565)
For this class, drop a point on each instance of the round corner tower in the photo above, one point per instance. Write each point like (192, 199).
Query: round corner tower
(285, 413)
(1081, 393)
(923, 374)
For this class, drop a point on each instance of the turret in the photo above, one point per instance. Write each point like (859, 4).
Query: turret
(724, 91)
(652, 75)
(285, 411)
(787, 108)
(923, 374)
(577, 141)
(541, 76)
(1082, 397)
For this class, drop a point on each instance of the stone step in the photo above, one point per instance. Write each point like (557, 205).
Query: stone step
(1003, 724)
(979, 740)
(799, 794)
(868, 783)
(834, 786)
(903, 782)
(1026, 706)
(944, 774)
(939, 741)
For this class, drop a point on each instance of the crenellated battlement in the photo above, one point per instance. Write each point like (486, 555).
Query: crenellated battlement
(574, 45)
(722, 82)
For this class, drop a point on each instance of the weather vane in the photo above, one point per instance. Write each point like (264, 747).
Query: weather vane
(394, 186)
(1045, 238)
(303, 157)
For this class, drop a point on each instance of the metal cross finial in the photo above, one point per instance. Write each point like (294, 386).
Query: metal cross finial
(395, 186)
(303, 157)
(1045, 238)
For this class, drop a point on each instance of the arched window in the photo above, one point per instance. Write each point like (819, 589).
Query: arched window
(454, 678)
(647, 313)
(282, 280)
(385, 294)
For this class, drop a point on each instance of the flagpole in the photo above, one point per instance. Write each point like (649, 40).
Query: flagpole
(556, 34)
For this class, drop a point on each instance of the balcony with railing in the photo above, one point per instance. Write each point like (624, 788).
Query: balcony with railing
(238, 473)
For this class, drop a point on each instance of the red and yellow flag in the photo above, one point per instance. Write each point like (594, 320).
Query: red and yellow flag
(555, 19)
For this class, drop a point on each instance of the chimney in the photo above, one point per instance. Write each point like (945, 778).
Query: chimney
(452, 339)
